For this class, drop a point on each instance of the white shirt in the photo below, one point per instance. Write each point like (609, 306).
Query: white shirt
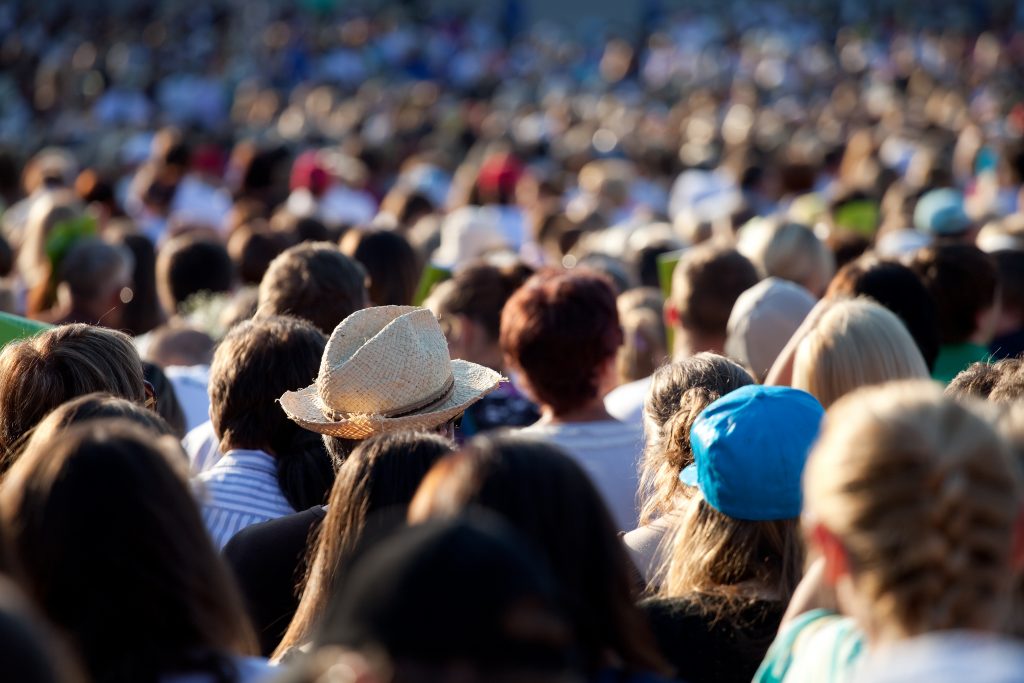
(191, 386)
(647, 544)
(203, 448)
(626, 403)
(239, 491)
(609, 451)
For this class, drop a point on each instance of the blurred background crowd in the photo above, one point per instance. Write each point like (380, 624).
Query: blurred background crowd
(674, 227)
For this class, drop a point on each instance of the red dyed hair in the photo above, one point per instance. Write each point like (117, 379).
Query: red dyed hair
(558, 330)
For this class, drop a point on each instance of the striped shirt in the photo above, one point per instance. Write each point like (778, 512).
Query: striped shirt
(240, 490)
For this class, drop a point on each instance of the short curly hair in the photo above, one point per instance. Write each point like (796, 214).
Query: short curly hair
(558, 329)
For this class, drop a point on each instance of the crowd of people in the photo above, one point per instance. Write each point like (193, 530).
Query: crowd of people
(438, 346)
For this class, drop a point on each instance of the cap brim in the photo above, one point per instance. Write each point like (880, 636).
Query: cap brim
(472, 382)
(689, 475)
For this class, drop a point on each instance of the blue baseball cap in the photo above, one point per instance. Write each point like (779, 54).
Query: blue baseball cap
(749, 450)
(941, 212)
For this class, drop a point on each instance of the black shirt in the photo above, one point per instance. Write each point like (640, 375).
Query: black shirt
(269, 561)
(706, 650)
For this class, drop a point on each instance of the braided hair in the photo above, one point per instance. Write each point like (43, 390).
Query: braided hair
(679, 392)
(923, 494)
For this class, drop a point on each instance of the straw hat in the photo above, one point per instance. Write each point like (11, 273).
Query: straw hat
(384, 369)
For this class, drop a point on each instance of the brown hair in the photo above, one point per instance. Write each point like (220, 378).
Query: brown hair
(678, 394)
(382, 473)
(558, 329)
(964, 282)
(313, 281)
(706, 283)
(924, 495)
(188, 265)
(257, 361)
(392, 264)
(39, 374)
(722, 564)
(131, 575)
(480, 291)
(1001, 382)
(542, 492)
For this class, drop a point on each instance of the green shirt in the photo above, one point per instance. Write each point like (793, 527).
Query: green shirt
(953, 358)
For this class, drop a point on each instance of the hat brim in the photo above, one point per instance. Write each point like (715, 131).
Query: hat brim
(472, 382)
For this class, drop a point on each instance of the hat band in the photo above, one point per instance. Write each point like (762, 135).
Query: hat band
(402, 411)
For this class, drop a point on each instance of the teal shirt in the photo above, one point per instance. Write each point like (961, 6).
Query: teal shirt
(953, 358)
(817, 647)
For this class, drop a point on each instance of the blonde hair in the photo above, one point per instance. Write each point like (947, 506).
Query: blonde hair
(678, 393)
(789, 251)
(855, 343)
(722, 564)
(923, 495)
(644, 345)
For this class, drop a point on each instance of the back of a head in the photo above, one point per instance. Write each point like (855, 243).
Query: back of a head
(679, 392)
(706, 283)
(793, 252)
(547, 496)
(94, 269)
(763, 320)
(178, 345)
(1001, 382)
(560, 330)
(899, 289)
(29, 651)
(256, 362)
(252, 249)
(315, 282)
(374, 487)
(964, 282)
(391, 263)
(98, 406)
(855, 343)
(187, 266)
(158, 597)
(464, 595)
(923, 495)
(643, 350)
(479, 292)
(39, 374)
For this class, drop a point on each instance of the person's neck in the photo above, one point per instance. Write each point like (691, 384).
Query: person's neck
(592, 411)
(689, 343)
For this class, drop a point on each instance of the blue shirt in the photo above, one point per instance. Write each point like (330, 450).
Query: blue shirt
(239, 491)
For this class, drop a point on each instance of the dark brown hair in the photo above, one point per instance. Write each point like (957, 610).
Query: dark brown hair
(963, 281)
(547, 496)
(706, 283)
(131, 575)
(383, 472)
(316, 282)
(899, 289)
(392, 264)
(38, 374)
(189, 265)
(256, 362)
(480, 292)
(558, 329)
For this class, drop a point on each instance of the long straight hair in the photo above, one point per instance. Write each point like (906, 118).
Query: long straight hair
(547, 496)
(110, 544)
(381, 473)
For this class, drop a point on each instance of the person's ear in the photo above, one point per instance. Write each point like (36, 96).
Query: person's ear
(1018, 542)
(671, 314)
(837, 562)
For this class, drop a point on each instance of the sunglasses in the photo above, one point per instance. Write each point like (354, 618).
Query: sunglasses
(150, 395)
